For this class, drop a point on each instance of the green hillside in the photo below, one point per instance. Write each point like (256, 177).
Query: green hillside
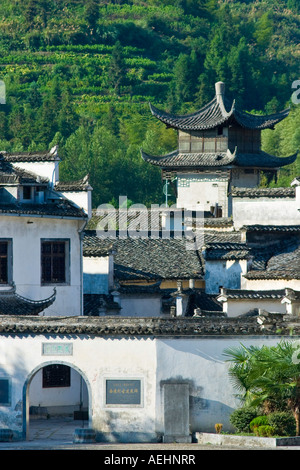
(81, 74)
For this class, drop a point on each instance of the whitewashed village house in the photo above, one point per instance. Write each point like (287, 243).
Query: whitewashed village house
(216, 173)
(128, 332)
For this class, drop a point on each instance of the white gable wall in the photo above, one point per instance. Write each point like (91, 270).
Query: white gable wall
(44, 169)
(26, 234)
(265, 211)
(202, 190)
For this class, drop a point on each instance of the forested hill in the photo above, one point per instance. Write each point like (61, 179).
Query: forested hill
(81, 74)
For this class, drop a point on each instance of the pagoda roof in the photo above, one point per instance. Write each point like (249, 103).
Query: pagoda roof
(218, 112)
(177, 160)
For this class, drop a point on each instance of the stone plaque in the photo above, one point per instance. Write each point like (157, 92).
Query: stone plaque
(57, 349)
(176, 412)
(123, 392)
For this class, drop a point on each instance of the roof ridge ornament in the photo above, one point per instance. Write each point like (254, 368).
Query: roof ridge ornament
(220, 99)
(220, 91)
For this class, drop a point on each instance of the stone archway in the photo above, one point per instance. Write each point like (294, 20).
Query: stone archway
(75, 390)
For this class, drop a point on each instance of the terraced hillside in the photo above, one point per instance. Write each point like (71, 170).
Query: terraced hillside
(81, 74)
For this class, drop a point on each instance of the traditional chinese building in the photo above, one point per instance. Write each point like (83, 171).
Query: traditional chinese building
(219, 147)
(40, 244)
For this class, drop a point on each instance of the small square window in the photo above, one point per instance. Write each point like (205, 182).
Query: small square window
(56, 375)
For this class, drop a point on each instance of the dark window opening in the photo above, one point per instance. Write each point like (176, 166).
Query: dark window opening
(216, 211)
(56, 375)
(53, 262)
(3, 262)
(4, 392)
(220, 130)
(26, 192)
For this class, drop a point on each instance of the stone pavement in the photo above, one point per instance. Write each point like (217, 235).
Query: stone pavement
(57, 434)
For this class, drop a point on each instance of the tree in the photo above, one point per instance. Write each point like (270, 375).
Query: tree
(91, 13)
(268, 376)
(184, 80)
(30, 11)
(264, 30)
(116, 70)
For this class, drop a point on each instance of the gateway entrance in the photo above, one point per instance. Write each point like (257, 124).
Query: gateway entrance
(55, 394)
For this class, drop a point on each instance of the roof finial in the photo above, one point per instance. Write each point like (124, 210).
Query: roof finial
(220, 91)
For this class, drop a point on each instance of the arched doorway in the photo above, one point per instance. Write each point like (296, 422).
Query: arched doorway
(55, 393)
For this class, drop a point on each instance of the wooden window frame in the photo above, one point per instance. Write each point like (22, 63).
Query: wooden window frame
(53, 259)
(56, 376)
(6, 262)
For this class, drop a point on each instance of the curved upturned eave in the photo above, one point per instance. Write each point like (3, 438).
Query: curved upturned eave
(208, 117)
(196, 160)
(24, 306)
(214, 114)
(267, 161)
(259, 122)
(261, 160)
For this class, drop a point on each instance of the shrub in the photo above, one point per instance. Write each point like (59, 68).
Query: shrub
(265, 430)
(242, 417)
(218, 427)
(283, 422)
(258, 421)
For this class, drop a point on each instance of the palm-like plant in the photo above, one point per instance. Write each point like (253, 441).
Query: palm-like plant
(267, 376)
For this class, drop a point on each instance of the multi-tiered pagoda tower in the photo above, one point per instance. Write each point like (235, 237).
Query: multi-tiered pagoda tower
(219, 147)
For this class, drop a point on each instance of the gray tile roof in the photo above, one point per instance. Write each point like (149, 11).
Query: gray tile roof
(263, 192)
(224, 245)
(115, 326)
(214, 114)
(147, 258)
(60, 209)
(65, 186)
(281, 264)
(227, 252)
(272, 228)
(176, 160)
(253, 294)
(13, 304)
(218, 222)
(46, 156)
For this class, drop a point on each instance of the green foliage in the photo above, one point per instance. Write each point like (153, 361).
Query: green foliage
(71, 65)
(283, 423)
(272, 377)
(258, 421)
(265, 430)
(242, 417)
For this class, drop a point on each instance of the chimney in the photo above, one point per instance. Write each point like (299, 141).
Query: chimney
(220, 91)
